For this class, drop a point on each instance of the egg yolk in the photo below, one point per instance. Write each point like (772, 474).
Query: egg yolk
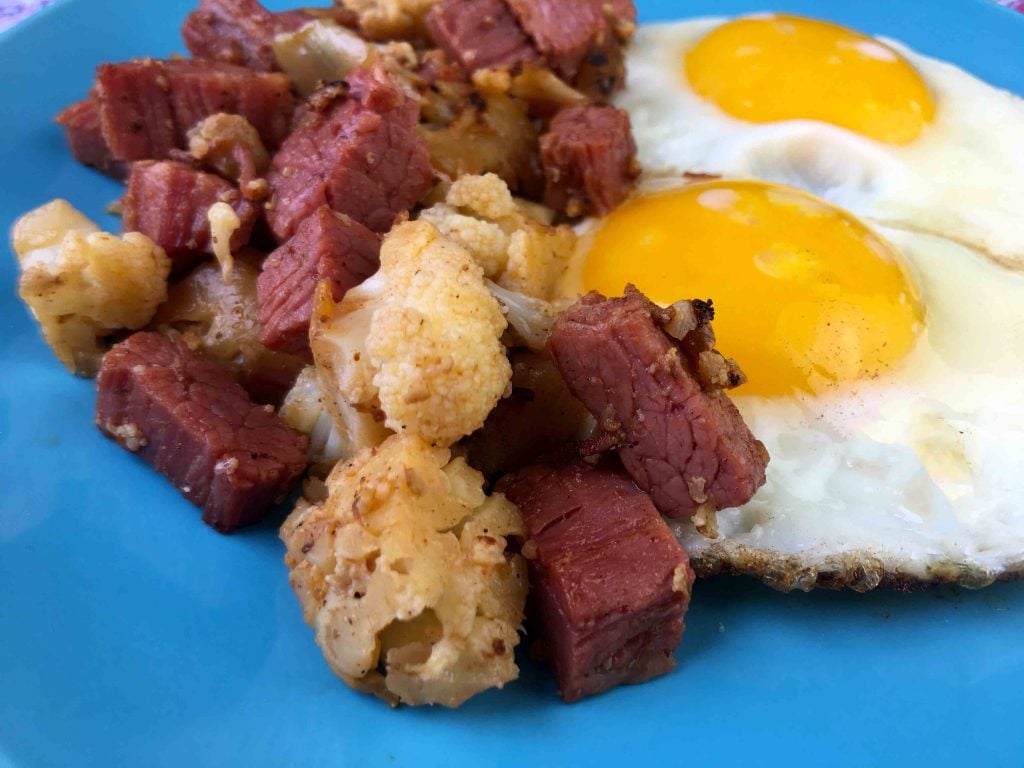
(806, 296)
(771, 68)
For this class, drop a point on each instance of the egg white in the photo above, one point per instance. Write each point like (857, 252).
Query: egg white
(963, 178)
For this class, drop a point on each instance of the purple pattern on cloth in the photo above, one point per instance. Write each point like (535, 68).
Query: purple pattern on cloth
(12, 12)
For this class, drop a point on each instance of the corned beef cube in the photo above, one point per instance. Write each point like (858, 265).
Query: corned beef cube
(356, 149)
(187, 417)
(589, 159)
(609, 583)
(147, 106)
(81, 122)
(168, 202)
(480, 34)
(199, 89)
(581, 41)
(680, 437)
(237, 32)
(327, 246)
(564, 32)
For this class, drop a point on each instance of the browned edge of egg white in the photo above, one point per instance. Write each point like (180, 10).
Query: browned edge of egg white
(860, 571)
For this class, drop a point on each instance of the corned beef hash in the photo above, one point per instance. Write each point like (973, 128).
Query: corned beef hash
(451, 278)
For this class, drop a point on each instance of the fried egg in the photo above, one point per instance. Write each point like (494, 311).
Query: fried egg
(885, 371)
(895, 137)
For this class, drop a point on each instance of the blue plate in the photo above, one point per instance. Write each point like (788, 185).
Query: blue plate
(131, 634)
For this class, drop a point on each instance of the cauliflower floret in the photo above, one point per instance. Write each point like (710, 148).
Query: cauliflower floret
(229, 145)
(390, 19)
(418, 345)
(514, 245)
(305, 410)
(530, 319)
(343, 370)
(404, 574)
(82, 284)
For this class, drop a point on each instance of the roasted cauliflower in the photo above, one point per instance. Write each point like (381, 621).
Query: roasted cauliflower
(390, 19)
(516, 248)
(305, 410)
(469, 133)
(82, 284)
(417, 347)
(404, 573)
(230, 146)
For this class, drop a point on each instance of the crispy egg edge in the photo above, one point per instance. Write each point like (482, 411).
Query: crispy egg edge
(861, 571)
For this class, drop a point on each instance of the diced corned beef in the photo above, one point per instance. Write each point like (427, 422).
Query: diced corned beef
(582, 41)
(327, 246)
(270, 380)
(289, 21)
(242, 31)
(237, 32)
(589, 159)
(609, 583)
(199, 89)
(148, 105)
(360, 153)
(480, 34)
(188, 418)
(168, 202)
(564, 32)
(81, 121)
(685, 444)
(136, 113)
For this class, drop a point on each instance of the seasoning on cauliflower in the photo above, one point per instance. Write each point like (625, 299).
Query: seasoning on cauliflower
(82, 284)
(515, 247)
(232, 147)
(390, 19)
(418, 345)
(404, 573)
